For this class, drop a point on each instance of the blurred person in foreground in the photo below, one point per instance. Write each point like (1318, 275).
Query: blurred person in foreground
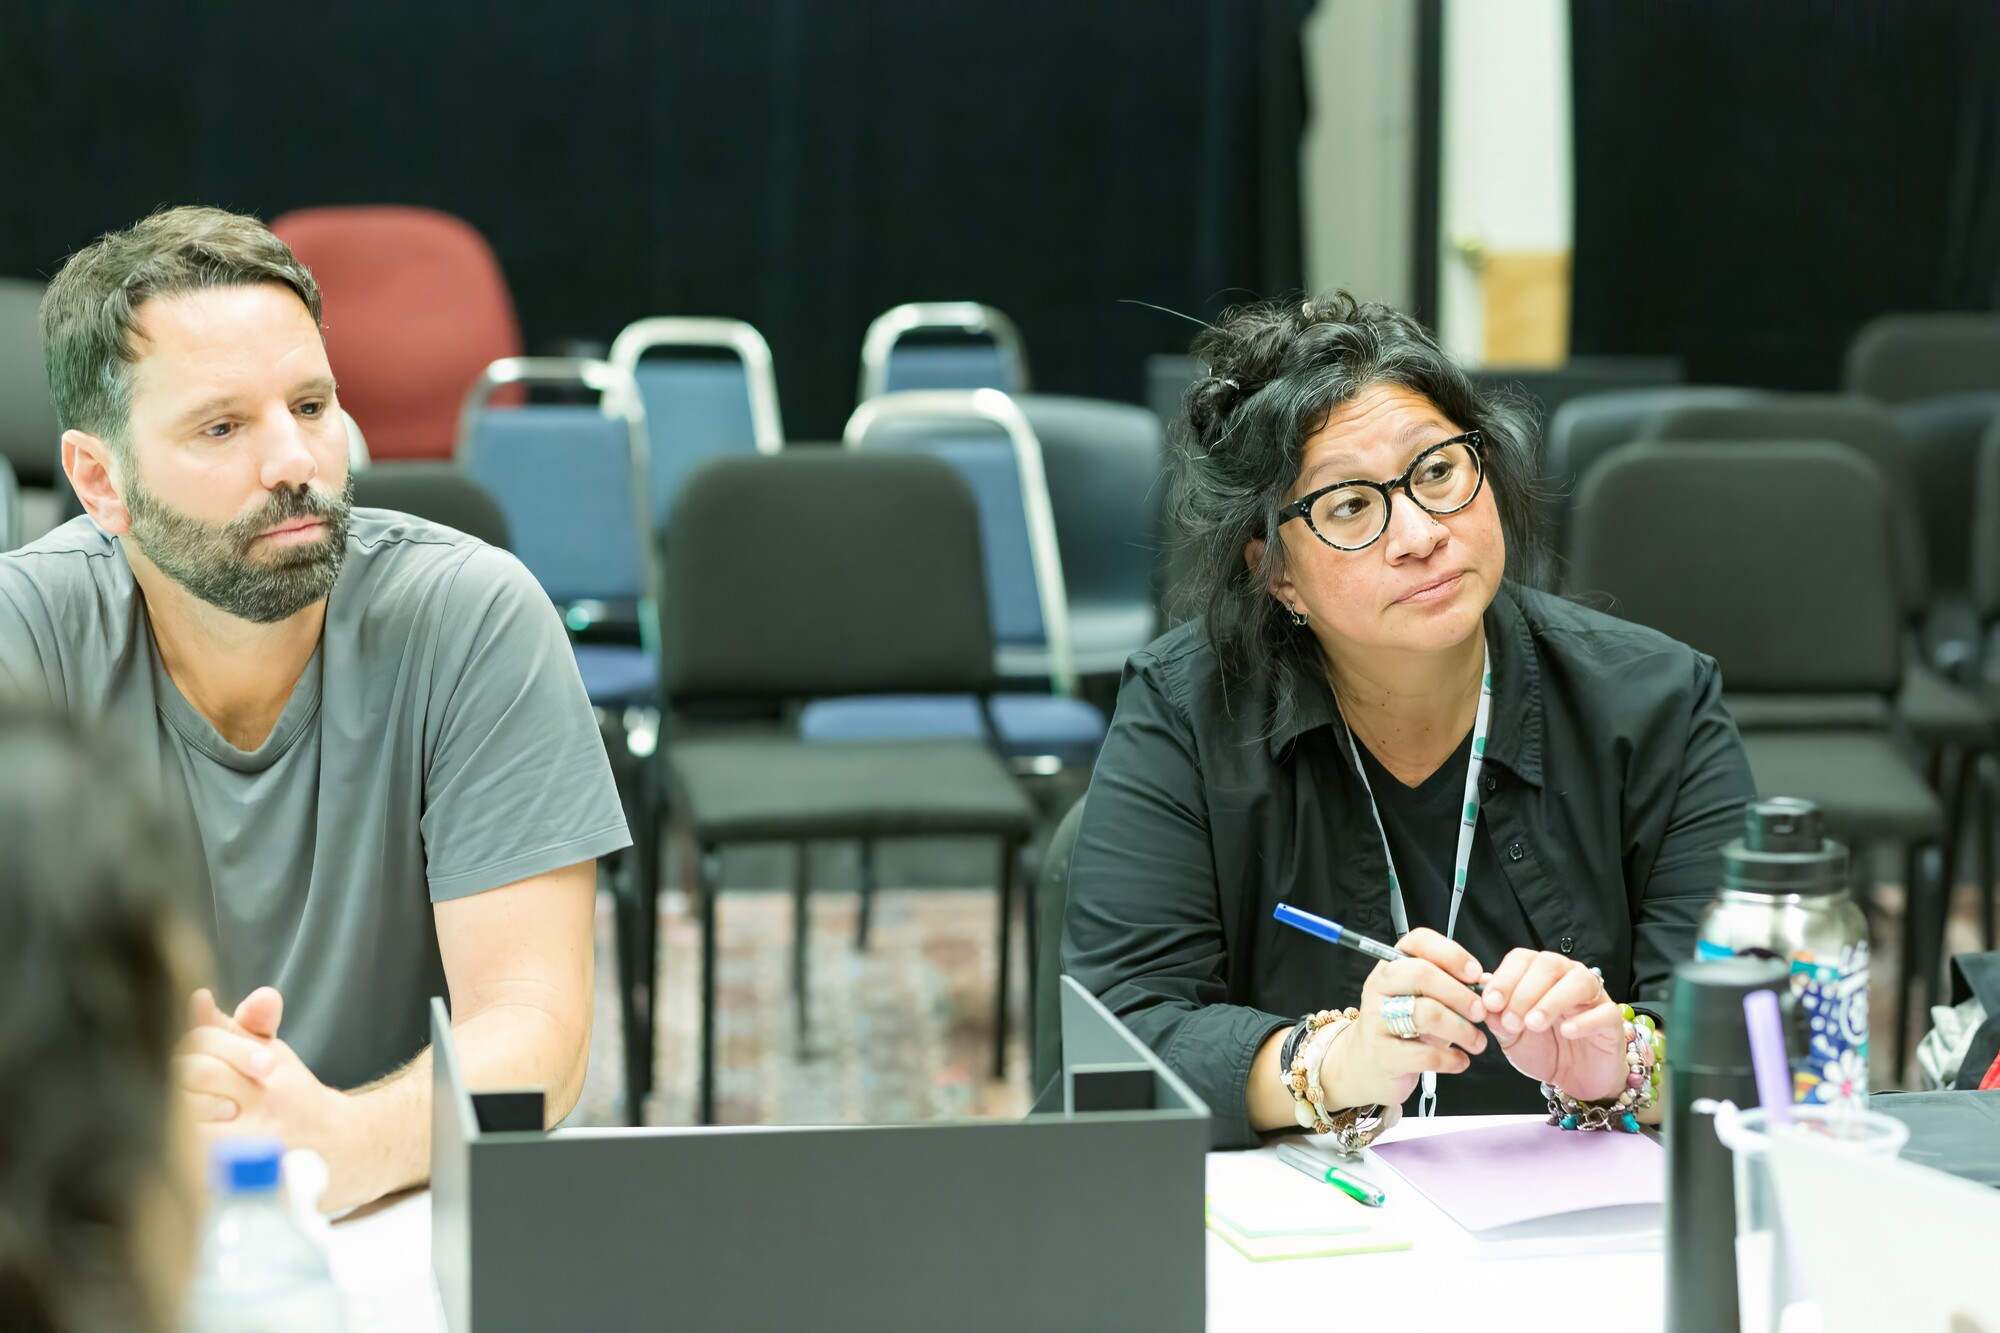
(100, 1166)
(1375, 717)
(375, 723)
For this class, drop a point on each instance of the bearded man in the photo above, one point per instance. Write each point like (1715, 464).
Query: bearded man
(374, 723)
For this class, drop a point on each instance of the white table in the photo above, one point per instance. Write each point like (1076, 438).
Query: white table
(381, 1259)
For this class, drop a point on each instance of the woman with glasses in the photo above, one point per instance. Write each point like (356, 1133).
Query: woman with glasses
(1375, 718)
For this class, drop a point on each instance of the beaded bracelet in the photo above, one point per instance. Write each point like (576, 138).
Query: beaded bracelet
(1302, 1078)
(1645, 1067)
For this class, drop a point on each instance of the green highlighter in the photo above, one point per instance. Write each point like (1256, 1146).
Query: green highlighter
(1320, 1169)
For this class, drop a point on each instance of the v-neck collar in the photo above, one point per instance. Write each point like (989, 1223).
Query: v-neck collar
(299, 712)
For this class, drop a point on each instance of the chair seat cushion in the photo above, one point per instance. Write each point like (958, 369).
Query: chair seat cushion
(1868, 789)
(616, 674)
(1942, 713)
(1028, 725)
(762, 788)
(1808, 712)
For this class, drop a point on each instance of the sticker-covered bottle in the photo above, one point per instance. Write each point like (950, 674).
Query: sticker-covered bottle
(1785, 895)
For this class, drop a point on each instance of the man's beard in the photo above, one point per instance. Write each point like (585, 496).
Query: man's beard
(216, 562)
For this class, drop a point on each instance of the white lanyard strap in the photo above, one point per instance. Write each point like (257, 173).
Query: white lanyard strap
(1468, 821)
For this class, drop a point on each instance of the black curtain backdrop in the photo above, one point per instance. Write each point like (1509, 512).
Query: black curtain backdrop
(1754, 181)
(802, 164)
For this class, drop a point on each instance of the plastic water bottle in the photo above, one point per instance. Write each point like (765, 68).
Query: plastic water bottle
(259, 1270)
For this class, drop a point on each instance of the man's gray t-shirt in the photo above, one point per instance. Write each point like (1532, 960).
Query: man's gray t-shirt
(438, 745)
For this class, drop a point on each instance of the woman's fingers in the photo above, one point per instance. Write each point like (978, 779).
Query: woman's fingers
(1508, 1010)
(1603, 1026)
(1446, 1027)
(1418, 976)
(1576, 990)
(1447, 954)
(1500, 986)
(209, 1109)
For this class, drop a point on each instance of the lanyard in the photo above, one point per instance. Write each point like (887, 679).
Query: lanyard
(1467, 823)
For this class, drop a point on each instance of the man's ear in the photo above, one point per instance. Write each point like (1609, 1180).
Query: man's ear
(92, 469)
(1280, 584)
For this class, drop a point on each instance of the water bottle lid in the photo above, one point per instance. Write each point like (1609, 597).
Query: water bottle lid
(241, 1166)
(1784, 850)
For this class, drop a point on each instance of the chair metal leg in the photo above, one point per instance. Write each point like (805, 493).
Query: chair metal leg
(1922, 945)
(1985, 793)
(1003, 958)
(801, 944)
(645, 910)
(703, 892)
(1955, 770)
(625, 948)
(1032, 891)
(865, 917)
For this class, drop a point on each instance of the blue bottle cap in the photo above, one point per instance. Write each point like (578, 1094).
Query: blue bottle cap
(243, 1166)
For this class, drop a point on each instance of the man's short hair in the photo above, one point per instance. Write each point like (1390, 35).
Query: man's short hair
(90, 312)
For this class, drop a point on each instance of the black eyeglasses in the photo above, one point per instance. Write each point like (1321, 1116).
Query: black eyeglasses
(1351, 515)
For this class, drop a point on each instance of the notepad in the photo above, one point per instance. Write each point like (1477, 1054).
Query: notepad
(1500, 1178)
(1286, 1224)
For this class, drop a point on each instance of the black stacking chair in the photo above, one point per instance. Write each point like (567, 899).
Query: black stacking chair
(1985, 591)
(1897, 358)
(1103, 462)
(1949, 720)
(1584, 429)
(1052, 895)
(816, 574)
(10, 507)
(440, 492)
(1944, 435)
(30, 437)
(1774, 558)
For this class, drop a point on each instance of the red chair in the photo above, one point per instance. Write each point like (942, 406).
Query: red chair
(415, 309)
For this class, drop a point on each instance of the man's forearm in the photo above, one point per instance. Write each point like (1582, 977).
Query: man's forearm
(385, 1144)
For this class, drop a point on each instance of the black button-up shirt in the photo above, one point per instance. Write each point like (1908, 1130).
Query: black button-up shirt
(1613, 777)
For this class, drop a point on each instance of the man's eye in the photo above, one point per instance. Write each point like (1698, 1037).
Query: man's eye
(219, 430)
(313, 409)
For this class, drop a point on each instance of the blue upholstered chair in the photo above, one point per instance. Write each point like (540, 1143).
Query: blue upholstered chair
(942, 345)
(707, 389)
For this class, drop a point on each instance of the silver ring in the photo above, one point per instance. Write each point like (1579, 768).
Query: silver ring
(1399, 1015)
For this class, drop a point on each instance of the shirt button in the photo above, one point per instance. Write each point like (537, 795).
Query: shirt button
(1490, 783)
(1568, 943)
(1517, 851)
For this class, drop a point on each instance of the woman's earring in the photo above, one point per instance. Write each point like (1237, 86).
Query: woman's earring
(1298, 617)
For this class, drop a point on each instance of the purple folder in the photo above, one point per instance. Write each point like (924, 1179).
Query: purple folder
(1500, 1175)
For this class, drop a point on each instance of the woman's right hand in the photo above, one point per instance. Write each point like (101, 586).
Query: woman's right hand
(1369, 1064)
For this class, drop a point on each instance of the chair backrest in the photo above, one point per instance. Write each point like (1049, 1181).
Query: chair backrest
(1584, 429)
(570, 478)
(1771, 557)
(415, 307)
(1985, 581)
(1900, 357)
(1168, 376)
(1944, 435)
(699, 407)
(1103, 462)
(30, 437)
(1051, 903)
(984, 434)
(1859, 423)
(1547, 388)
(358, 457)
(440, 492)
(10, 507)
(820, 572)
(983, 351)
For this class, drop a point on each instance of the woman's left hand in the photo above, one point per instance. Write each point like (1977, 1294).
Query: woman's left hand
(1555, 1023)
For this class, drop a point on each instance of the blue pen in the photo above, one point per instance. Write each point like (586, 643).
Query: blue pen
(1335, 933)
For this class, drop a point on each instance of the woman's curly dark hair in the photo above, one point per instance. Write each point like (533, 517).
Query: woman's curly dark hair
(93, 878)
(1275, 372)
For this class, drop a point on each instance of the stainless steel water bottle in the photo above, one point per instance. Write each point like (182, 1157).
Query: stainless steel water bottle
(1784, 895)
(1708, 1057)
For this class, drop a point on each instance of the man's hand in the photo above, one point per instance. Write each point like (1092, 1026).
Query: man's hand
(240, 1079)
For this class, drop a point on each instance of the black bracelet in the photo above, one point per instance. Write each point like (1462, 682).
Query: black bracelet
(1291, 1048)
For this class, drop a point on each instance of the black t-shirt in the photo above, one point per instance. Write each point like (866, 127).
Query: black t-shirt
(1422, 825)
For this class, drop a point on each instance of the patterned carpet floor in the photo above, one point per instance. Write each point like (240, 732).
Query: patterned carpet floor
(902, 1031)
